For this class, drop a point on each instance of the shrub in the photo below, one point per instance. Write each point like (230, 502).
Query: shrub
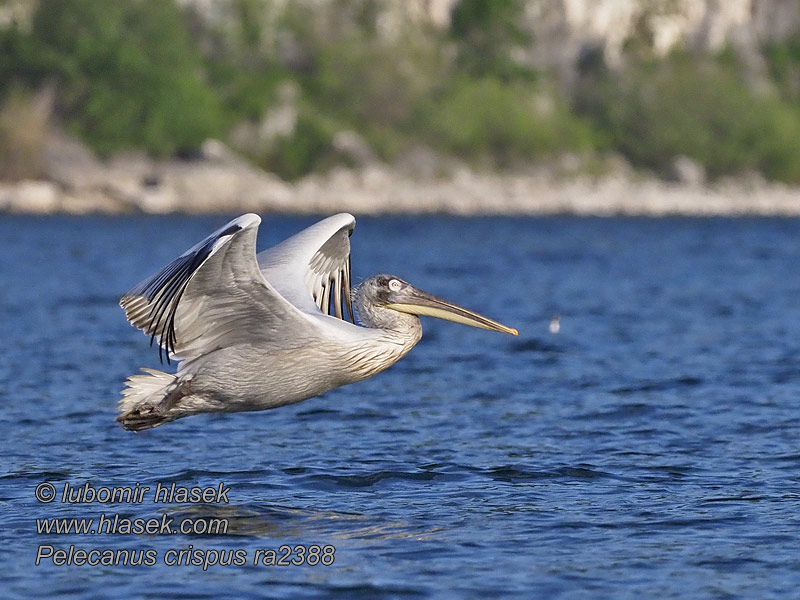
(240, 59)
(127, 73)
(309, 147)
(506, 123)
(701, 108)
(485, 32)
(375, 86)
(783, 62)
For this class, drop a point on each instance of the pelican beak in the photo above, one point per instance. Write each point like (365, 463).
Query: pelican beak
(417, 302)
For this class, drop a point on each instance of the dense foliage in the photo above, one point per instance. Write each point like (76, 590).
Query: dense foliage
(127, 73)
(149, 74)
(697, 107)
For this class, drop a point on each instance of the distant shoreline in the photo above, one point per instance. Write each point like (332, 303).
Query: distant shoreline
(376, 193)
(220, 181)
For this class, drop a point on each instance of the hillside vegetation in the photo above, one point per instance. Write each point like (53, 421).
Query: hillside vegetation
(280, 84)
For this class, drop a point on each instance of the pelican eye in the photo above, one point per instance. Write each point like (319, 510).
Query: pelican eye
(395, 285)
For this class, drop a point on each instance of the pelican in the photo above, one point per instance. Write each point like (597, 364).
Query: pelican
(258, 331)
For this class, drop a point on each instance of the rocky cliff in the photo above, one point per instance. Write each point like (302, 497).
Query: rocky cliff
(562, 29)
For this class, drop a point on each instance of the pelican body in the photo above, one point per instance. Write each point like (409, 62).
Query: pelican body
(258, 331)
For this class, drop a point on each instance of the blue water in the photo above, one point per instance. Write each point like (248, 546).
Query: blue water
(648, 449)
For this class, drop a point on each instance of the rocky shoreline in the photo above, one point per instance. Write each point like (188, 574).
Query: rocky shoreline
(74, 181)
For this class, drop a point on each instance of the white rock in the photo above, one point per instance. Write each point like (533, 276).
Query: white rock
(687, 171)
(34, 197)
(158, 200)
(91, 202)
(353, 148)
(70, 163)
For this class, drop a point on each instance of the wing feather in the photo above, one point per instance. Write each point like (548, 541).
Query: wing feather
(312, 268)
(212, 295)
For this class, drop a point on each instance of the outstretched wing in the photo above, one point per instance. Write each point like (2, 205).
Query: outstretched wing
(312, 268)
(211, 296)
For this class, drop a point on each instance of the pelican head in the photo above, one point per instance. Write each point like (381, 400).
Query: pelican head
(378, 300)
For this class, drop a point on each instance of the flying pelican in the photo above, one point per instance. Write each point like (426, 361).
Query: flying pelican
(255, 331)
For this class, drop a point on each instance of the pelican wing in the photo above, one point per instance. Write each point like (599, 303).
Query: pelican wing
(312, 268)
(211, 296)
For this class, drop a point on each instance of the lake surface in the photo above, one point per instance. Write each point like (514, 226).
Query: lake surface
(647, 449)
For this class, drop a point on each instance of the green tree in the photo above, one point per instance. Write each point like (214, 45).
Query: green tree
(485, 32)
(127, 73)
(699, 107)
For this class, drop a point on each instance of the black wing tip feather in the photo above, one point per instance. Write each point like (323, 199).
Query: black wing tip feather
(163, 291)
